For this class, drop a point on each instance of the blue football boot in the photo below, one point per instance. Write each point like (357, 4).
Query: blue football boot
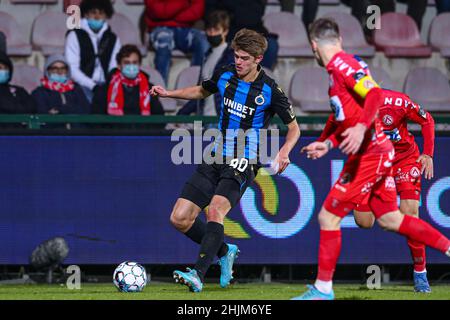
(226, 265)
(421, 282)
(314, 294)
(189, 278)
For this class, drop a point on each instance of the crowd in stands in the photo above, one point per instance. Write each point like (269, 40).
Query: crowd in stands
(98, 74)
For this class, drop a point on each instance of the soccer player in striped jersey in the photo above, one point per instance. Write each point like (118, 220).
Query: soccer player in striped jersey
(249, 100)
(367, 174)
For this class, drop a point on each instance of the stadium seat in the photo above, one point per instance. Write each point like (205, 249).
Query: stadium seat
(126, 31)
(156, 78)
(17, 46)
(293, 40)
(382, 78)
(186, 78)
(34, 1)
(48, 32)
(26, 76)
(308, 90)
(352, 34)
(429, 87)
(399, 37)
(269, 73)
(439, 35)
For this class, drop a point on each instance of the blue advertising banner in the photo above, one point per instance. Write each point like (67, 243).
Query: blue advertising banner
(111, 197)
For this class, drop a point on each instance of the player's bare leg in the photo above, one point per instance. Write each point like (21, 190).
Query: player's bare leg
(364, 219)
(210, 244)
(411, 227)
(184, 214)
(214, 236)
(185, 218)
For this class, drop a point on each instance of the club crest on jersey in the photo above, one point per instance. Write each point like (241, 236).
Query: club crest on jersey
(387, 120)
(259, 100)
(415, 172)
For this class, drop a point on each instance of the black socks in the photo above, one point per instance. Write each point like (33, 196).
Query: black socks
(210, 245)
(198, 231)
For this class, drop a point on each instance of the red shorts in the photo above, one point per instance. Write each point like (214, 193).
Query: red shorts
(362, 178)
(407, 175)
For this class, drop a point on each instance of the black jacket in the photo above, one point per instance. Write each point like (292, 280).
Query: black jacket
(14, 99)
(71, 102)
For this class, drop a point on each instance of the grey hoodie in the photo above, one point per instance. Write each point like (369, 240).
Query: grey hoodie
(56, 58)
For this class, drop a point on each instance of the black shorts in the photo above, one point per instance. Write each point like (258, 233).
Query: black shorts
(218, 179)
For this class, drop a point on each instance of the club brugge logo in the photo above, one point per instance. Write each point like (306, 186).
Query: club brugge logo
(387, 120)
(259, 100)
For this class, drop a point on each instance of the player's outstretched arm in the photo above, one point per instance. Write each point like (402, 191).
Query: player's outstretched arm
(426, 121)
(189, 93)
(317, 149)
(282, 158)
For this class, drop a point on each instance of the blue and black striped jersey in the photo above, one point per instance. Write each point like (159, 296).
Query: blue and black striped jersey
(247, 106)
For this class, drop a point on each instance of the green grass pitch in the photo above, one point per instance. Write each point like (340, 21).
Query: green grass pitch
(251, 291)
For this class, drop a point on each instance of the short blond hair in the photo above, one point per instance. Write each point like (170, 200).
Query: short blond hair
(250, 41)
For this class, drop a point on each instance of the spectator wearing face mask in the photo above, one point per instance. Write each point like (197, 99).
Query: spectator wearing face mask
(13, 99)
(58, 94)
(127, 91)
(91, 50)
(248, 14)
(220, 54)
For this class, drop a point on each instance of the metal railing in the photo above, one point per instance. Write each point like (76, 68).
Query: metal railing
(36, 121)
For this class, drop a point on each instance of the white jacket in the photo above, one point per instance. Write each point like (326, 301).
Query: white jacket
(72, 52)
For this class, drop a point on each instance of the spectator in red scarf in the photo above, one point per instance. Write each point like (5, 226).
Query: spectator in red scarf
(58, 94)
(127, 91)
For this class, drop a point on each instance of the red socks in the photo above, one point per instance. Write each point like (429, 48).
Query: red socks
(420, 231)
(329, 250)
(418, 254)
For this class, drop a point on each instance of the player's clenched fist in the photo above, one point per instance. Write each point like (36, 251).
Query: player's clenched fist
(158, 91)
(316, 150)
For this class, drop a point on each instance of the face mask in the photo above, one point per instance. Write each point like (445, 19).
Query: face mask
(61, 78)
(4, 76)
(95, 24)
(215, 41)
(130, 71)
